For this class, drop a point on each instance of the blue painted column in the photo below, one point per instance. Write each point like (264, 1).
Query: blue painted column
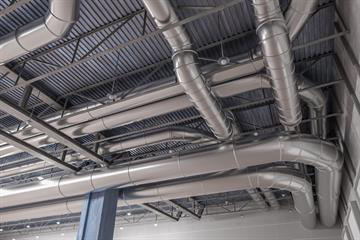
(98, 215)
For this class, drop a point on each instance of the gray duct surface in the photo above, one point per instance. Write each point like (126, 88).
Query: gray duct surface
(213, 183)
(303, 149)
(176, 134)
(313, 97)
(56, 24)
(276, 48)
(297, 14)
(188, 72)
(153, 103)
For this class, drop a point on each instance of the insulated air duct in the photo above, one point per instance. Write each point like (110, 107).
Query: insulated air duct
(276, 48)
(302, 149)
(213, 183)
(55, 25)
(188, 72)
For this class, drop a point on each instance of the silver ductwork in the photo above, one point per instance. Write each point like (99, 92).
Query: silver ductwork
(278, 58)
(316, 101)
(313, 97)
(188, 72)
(302, 149)
(55, 25)
(176, 134)
(209, 184)
(297, 14)
(150, 104)
(301, 190)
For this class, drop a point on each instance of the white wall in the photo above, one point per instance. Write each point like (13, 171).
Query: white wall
(273, 225)
(350, 122)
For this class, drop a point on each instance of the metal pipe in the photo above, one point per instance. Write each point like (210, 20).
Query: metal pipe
(313, 97)
(322, 155)
(298, 14)
(208, 184)
(188, 72)
(278, 58)
(54, 25)
(178, 134)
(160, 100)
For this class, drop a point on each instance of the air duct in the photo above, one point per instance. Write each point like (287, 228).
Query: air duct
(298, 13)
(96, 111)
(302, 149)
(153, 103)
(276, 48)
(188, 72)
(208, 184)
(313, 97)
(176, 134)
(55, 25)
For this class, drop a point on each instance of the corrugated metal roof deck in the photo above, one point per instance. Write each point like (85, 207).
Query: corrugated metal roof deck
(205, 32)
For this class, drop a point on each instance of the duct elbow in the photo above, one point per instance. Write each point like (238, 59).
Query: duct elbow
(193, 82)
(55, 25)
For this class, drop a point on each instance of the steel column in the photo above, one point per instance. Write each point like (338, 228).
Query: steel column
(98, 216)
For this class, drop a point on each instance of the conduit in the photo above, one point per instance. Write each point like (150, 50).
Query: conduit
(55, 25)
(302, 149)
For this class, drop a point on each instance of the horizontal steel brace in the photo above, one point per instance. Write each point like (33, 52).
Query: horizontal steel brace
(49, 130)
(36, 152)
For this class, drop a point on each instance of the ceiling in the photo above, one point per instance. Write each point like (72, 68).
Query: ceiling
(148, 63)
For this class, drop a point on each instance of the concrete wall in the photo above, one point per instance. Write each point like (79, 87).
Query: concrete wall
(273, 225)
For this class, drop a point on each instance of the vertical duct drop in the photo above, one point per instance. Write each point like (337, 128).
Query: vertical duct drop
(278, 58)
(188, 72)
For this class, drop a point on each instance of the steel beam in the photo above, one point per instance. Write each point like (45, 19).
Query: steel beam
(36, 152)
(120, 46)
(97, 221)
(49, 130)
(79, 37)
(36, 92)
(25, 97)
(184, 209)
(159, 212)
(147, 36)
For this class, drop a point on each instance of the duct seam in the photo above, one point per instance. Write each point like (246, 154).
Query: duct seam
(278, 60)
